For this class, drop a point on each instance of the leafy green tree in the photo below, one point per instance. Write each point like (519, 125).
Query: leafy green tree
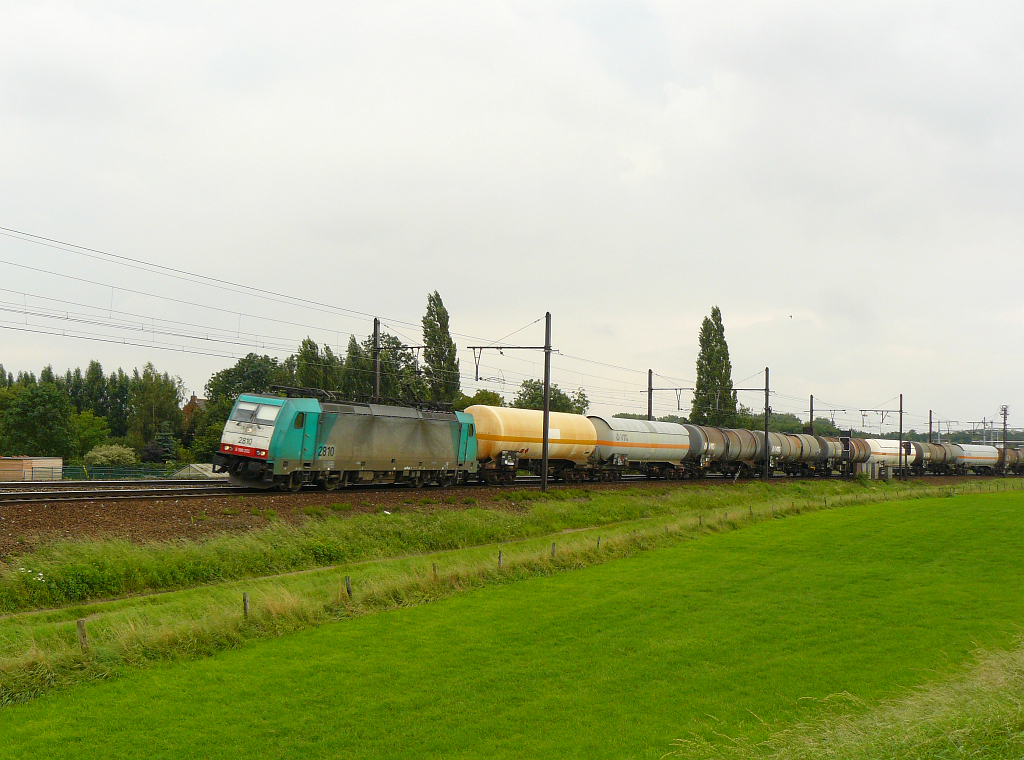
(778, 422)
(531, 396)
(6, 379)
(47, 376)
(113, 455)
(250, 374)
(667, 418)
(90, 431)
(317, 369)
(155, 399)
(25, 379)
(823, 426)
(95, 390)
(400, 377)
(673, 418)
(714, 400)
(73, 384)
(38, 422)
(118, 401)
(165, 440)
(357, 371)
(482, 397)
(440, 356)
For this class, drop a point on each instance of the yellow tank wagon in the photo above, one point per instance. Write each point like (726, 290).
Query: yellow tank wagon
(510, 439)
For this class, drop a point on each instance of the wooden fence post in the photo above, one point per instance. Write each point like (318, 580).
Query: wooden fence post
(348, 586)
(599, 542)
(83, 638)
(245, 604)
(499, 559)
(552, 551)
(435, 571)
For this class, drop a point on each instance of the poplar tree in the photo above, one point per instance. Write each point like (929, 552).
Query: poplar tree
(714, 400)
(439, 352)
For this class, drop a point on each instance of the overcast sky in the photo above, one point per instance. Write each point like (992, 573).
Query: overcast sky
(845, 181)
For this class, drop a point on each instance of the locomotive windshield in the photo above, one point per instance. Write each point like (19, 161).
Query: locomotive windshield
(261, 414)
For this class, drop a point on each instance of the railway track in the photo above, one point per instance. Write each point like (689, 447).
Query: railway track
(84, 485)
(57, 491)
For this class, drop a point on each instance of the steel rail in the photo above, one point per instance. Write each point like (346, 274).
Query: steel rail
(47, 485)
(99, 494)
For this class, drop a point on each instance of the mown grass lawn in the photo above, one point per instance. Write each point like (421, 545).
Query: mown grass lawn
(710, 636)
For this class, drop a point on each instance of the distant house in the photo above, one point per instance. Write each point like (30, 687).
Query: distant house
(194, 404)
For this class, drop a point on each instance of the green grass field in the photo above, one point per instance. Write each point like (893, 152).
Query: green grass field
(733, 634)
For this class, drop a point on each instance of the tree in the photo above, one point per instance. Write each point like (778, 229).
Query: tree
(95, 389)
(317, 369)
(251, 374)
(37, 422)
(357, 371)
(667, 418)
(118, 401)
(439, 352)
(155, 398)
(90, 431)
(400, 376)
(483, 397)
(714, 400)
(165, 440)
(531, 396)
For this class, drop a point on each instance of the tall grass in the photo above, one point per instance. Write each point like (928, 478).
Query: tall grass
(71, 572)
(50, 656)
(977, 715)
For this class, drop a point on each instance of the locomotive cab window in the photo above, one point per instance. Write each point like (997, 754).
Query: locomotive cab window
(470, 430)
(245, 411)
(266, 414)
(300, 420)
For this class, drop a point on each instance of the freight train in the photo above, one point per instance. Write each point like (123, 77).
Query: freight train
(273, 441)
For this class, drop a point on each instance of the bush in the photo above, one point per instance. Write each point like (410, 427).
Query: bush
(112, 455)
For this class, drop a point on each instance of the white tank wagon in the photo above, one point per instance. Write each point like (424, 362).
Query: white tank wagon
(976, 458)
(885, 452)
(657, 448)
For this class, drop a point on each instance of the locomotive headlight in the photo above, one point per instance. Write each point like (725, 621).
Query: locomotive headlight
(249, 429)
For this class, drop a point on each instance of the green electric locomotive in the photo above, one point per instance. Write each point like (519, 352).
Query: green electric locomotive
(273, 441)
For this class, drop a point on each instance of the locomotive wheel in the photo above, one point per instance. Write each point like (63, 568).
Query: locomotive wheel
(330, 483)
(295, 482)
